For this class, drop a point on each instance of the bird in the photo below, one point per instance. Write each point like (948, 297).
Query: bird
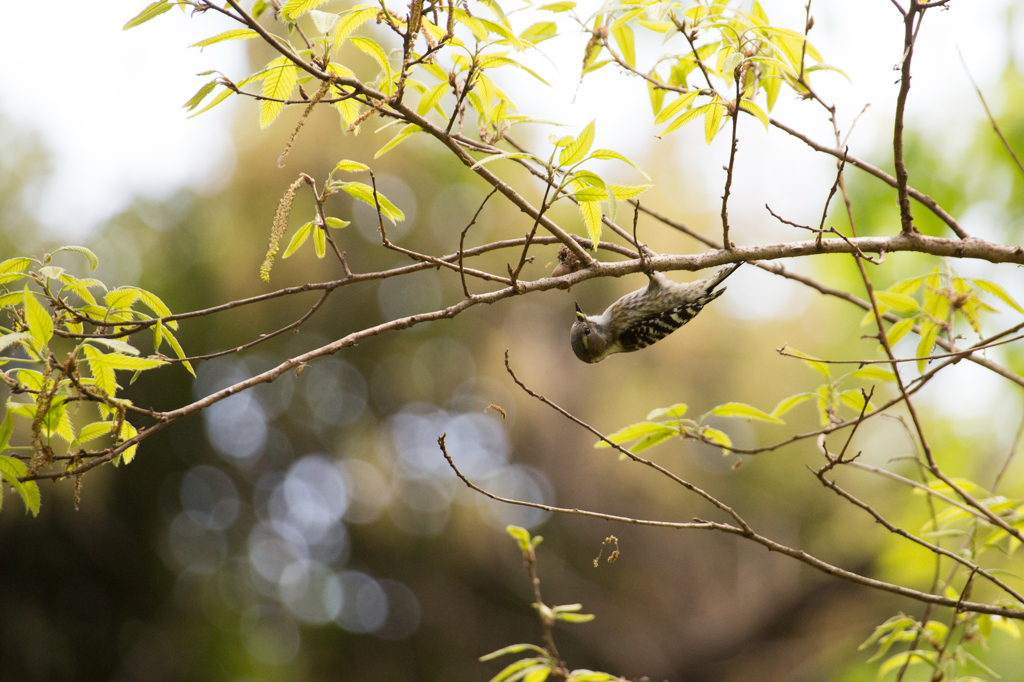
(644, 316)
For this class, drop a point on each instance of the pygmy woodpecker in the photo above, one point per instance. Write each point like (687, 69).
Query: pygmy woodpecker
(644, 316)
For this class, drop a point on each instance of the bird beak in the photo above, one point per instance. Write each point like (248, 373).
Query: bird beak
(579, 313)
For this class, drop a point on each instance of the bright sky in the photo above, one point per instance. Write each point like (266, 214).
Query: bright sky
(111, 143)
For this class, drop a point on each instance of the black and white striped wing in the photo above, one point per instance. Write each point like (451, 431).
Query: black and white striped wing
(655, 327)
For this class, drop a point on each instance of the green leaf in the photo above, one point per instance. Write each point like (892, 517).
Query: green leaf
(6, 429)
(758, 112)
(337, 223)
(298, 239)
(351, 20)
(12, 265)
(623, 192)
(591, 211)
(293, 9)
(874, 372)
(540, 31)
(929, 332)
(685, 118)
(405, 132)
(127, 433)
(713, 120)
(631, 432)
(431, 98)
(538, 675)
(513, 648)
(233, 34)
(607, 154)
(350, 166)
(812, 362)
(789, 403)
(91, 432)
(623, 35)
(8, 340)
(577, 150)
(364, 193)
(151, 12)
(371, 48)
(717, 437)
(125, 362)
(675, 107)
(319, 241)
(899, 330)
(998, 292)
(179, 351)
(278, 83)
(117, 345)
(10, 470)
(40, 324)
(897, 661)
(743, 410)
(652, 439)
(324, 21)
(558, 7)
(675, 411)
(900, 302)
(216, 100)
(855, 399)
(591, 194)
(522, 538)
(90, 256)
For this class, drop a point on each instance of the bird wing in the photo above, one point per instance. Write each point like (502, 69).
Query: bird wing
(656, 327)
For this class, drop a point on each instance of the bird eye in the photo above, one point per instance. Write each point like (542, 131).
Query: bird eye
(586, 331)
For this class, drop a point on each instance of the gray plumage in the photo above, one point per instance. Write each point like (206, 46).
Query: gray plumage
(644, 316)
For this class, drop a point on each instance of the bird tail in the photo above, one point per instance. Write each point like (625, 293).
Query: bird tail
(720, 276)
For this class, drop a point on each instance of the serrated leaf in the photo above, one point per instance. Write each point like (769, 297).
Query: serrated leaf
(758, 112)
(713, 116)
(10, 470)
(216, 100)
(744, 410)
(233, 34)
(127, 433)
(376, 52)
(675, 107)
(6, 429)
(90, 256)
(278, 83)
(293, 9)
(351, 20)
(591, 211)
(324, 21)
(623, 35)
(623, 192)
(591, 194)
(40, 324)
(900, 302)
(12, 265)
(431, 98)
(899, 330)
(151, 12)
(117, 345)
(998, 292)
(179, 351)
(125, 362)
(91, 432)
(576, 151)
(685, 118)
(8, 340)
(874, 372)
(405, 132)
(608, 154)
(364, 193)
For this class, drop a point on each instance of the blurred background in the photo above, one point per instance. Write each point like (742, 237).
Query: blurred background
(310, 529)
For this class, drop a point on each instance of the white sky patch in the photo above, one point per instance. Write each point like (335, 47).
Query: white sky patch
(107, 104)
(116, 127)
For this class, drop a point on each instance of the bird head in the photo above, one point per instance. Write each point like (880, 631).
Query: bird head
(588, 342)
